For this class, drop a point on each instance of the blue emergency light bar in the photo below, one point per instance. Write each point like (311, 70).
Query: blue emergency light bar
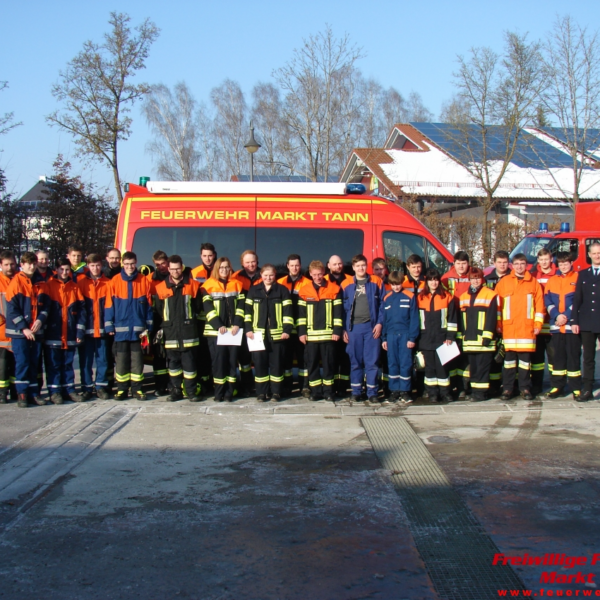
(355, 188)
(543, 228)
(565, 228)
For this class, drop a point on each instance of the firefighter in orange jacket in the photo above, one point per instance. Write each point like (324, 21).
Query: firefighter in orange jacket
(248, 275)
(320, 326)
(342, 360)
(94, 287)
(293, 281)
(8, 269)
(26, 313)
(223, 303)
(208, 256)
(522, 316)
(542, 271)
(438, 324)
(566, 345)
(457, 282)
(159, 362)
(65, 330)
(479, 312)
(128, 316)
(178, 303)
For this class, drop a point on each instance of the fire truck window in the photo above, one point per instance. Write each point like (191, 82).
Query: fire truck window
(185, 241)
(274, 245)
(399, 246)
(435, 260)
(588, 243)
(564, 245)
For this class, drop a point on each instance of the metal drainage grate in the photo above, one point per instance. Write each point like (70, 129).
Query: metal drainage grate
(455, 548)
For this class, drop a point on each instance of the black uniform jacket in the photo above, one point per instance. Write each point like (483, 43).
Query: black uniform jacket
(586, 303)
(269, 310)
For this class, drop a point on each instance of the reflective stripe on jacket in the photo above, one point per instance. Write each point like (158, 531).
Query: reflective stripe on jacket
(399, 315)
(320, 311)
(293, 288)
(66, 314)
(558, 298)
(223, 303)
(94, 293)
(269, 310)
(437, 319)
(522, 310)
(543, 279)
(178, 306)
(128, 307)
(26, 302)
(4, 283)
(480, 314)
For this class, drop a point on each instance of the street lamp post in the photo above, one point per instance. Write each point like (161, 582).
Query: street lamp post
(252, 146)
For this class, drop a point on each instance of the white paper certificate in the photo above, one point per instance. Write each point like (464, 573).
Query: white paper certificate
(227, 339)
(257, 344)
(447, 352)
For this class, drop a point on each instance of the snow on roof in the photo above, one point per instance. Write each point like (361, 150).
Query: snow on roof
(434, 173)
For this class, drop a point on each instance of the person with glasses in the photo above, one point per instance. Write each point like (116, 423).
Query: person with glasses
(223, 303)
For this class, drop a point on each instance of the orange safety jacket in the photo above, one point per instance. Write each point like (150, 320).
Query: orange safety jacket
(480, 314)
(4, 282)
(26, 302)
(558, 298)
(320, 311)
(456, 284)
(522, 309)
(66, 314)
(95, 292)
(408, 283)
(543, 279)
(294, 287)
(245, 280)
(437, 318)
(201, 273)
(345, 278)
(178, 306)
(223, 304)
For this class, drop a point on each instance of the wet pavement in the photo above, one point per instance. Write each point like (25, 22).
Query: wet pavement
(211, 501)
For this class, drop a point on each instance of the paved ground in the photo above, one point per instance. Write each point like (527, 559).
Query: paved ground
(212, 501)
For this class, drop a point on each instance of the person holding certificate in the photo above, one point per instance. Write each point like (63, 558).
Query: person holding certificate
(268, 317)
(223, 302)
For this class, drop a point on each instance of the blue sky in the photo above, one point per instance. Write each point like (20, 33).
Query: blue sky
(408, 45)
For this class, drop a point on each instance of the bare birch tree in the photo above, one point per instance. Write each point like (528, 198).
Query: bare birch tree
(230, 128)
(572, 96)
(278, 155)
(97, 91)
(7, 120)
(314, 81)
(173, 118)
(499, 95)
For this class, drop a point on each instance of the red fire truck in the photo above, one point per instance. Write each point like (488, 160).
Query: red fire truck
(314, 220)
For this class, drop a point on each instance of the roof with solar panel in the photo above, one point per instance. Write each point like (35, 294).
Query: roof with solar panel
(438, 160)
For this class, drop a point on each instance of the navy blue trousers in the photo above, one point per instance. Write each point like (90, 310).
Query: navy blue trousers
(60, 375)
(400, 362)
(94, 348)
(27, 356)
(363, 351)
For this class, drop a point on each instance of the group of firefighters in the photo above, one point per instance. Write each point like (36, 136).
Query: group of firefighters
(343, 332)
